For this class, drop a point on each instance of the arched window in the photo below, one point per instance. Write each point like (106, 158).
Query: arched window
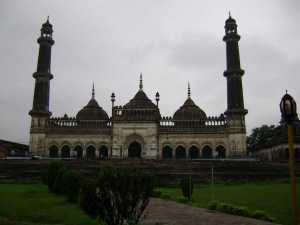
(91, 152)
(207, 152)
(79, 152)
(221, 152)
(193, 152)
(53, 152)
(167, 152)
(103, 152)
(180, 152)
(65, 151)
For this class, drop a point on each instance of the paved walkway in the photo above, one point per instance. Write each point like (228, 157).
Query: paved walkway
(163, 212)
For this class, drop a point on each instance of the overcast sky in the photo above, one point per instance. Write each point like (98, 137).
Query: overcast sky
(170, 42)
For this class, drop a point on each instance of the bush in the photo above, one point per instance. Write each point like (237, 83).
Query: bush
(59, 183)
(71, 182)
(122, 195)
(87, 197)
(239, 210)
(51, 173)
(187, 187)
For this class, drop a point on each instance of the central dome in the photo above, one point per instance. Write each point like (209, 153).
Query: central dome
(140, 107)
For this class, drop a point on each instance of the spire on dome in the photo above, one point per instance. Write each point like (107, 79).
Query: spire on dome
(141, 81)
(93, 92)
(189, 90)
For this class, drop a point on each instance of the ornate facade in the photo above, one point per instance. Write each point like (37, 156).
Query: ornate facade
(137, 129)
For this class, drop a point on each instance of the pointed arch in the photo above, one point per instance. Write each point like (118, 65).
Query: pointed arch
(207, 152)
(103, 150)
(53, 151)
(221, 152)
(167, 152)
(193, 152)
(65, 151)
(91, 152)
(180, 152)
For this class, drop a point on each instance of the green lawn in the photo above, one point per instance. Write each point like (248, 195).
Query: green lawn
(33, 203)
(273, 198)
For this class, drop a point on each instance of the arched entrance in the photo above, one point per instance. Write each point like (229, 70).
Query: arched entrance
(134, 150)
(103, 153)
(167, 152)
(207, 152)
(53, 152)
(193, 152)
(221, 151)
(79, 152)
(91, 152)
(65, 151)
(180, 152)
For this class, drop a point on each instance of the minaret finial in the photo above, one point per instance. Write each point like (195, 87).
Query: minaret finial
(93, 91)
(141, 81)
(229, 14)
(189, 90)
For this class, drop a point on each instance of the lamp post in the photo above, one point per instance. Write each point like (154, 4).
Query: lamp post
(288, 110)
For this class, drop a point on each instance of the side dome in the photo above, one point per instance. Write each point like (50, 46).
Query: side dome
(92, 111)
(189, 111)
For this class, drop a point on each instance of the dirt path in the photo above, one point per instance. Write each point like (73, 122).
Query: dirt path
(163, 212)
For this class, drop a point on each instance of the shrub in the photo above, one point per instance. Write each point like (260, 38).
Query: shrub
(51, 173)
(212, 205)
(71, 182)
(187, 187)
(59, 183)
(88, 198)
(239, 210)
(122, 195)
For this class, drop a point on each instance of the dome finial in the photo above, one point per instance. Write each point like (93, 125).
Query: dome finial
(229, 14)
(93, 92)
(189, 90)
(141, 81)
(48, 19)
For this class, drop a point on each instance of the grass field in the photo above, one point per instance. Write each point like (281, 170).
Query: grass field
(33, 204)
(273, 198)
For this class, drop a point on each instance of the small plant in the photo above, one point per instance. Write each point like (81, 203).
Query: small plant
(59, 186)
(187, 187)
(88, 201)
(239, 210)
(51, 173)
(71, 182)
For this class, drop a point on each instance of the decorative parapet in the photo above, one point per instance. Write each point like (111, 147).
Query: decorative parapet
(72, 122)
(211, 124)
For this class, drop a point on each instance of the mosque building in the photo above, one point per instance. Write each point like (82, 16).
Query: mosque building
(137, 129)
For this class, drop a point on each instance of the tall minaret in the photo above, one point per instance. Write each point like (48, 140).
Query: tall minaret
(235, 101)
(40, 108)
(42, 76)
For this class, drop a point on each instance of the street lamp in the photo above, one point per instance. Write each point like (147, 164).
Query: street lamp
(288, 110)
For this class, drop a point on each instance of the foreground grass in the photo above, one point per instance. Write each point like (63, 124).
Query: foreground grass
(33, 203)
(273, 198)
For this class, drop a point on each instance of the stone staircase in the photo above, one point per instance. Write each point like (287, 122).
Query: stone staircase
(166, 171)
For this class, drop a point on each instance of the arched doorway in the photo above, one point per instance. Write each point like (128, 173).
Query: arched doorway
(134, 150)
(91, 153)
(65, 151)
(53, 152)
(193, 152)
(221, 151)
(79, 152)
(167, 152)
(103, 152)
(180, 152)
(207, 152)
